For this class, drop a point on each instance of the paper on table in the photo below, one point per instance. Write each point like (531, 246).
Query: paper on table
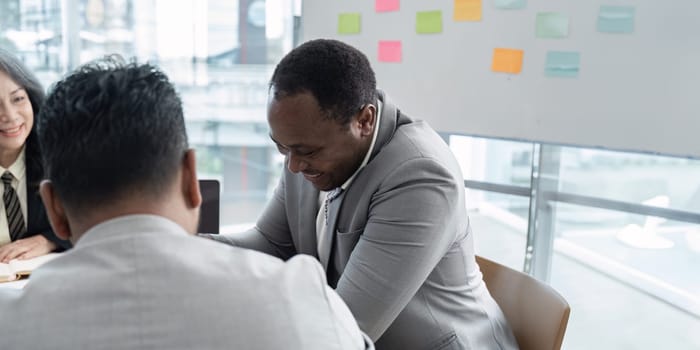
(15, 268)
(14, 284)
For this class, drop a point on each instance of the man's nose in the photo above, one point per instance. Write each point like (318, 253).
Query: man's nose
(295, 163)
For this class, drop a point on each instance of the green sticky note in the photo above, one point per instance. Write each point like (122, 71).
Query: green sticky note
(428, 22)
(552, 25)
(348, 23)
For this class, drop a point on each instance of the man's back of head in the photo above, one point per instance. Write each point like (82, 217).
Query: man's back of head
(114, 142)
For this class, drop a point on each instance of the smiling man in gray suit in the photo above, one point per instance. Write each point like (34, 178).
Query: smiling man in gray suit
(378, 198)
(122, 185)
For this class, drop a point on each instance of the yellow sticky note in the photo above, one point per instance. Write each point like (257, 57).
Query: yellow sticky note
(507, 60)
(467, 10)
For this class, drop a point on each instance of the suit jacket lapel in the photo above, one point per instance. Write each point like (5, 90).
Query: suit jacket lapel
(307, 205)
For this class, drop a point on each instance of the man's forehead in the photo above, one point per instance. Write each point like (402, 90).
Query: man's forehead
(293, 146)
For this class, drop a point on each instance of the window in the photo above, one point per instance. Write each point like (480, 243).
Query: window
(616, 233)
(219, 53)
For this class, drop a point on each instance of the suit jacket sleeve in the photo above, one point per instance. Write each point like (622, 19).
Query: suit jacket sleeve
(412, 221)
(271, 233)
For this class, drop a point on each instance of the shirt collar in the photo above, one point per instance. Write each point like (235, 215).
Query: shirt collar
(130, 225)
(369, 151)
(17, 169)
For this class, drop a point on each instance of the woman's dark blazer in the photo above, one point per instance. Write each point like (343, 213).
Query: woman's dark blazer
(37, 221)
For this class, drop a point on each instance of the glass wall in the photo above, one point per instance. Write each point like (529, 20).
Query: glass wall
(623, 231)
(219, 53)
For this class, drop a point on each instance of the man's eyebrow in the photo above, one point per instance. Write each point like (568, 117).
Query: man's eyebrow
(285, 146)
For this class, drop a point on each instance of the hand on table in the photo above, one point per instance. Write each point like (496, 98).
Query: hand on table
(26, 248)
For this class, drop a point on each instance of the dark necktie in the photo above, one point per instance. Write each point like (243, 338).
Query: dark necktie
(15, 220)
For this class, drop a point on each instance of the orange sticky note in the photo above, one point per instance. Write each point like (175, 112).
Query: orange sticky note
(467, 10)
(390, 51)
(507, 60)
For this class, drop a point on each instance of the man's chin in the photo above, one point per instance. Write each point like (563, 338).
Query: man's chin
(323, 186)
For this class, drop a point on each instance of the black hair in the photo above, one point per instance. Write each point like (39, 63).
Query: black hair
(338, 75)
(23, 77)
(111, 129)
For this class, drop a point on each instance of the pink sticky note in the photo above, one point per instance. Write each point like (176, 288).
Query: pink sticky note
(386, 5)
(390, 51)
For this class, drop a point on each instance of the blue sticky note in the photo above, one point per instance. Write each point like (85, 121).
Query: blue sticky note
(563, 64)
(616, 19)
(510, 4)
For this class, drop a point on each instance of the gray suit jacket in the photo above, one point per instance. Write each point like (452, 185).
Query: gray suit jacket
(402, 254)
(141, 282)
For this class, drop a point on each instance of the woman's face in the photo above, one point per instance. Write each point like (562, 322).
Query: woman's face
(16, 114)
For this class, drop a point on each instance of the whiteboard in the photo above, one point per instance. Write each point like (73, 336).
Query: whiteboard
(635, 91)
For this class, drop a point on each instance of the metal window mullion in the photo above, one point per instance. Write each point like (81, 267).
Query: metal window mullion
(540, 232)
(70, 22)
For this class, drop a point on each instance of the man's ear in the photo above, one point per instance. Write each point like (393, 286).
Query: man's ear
(366, 120)
(190, 182)
(54, 210)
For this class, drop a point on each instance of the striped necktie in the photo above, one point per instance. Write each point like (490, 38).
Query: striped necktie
(323, 238)
(15, 220)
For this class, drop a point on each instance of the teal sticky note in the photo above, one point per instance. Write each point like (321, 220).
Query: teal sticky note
(348, 23)
(429, 22)
(563, 64)
(510, 4)
(616, 19)
(552, 25)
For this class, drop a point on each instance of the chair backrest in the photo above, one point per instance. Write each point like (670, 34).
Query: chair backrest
(537, 314)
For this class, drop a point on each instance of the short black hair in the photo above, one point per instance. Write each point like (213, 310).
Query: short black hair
(23, 77)
(338, 75)
(111, 129)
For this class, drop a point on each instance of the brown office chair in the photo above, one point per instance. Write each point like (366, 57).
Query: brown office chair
(537, 314)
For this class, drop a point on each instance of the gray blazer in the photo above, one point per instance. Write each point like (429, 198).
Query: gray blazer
(141, 282)
(402, 256)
